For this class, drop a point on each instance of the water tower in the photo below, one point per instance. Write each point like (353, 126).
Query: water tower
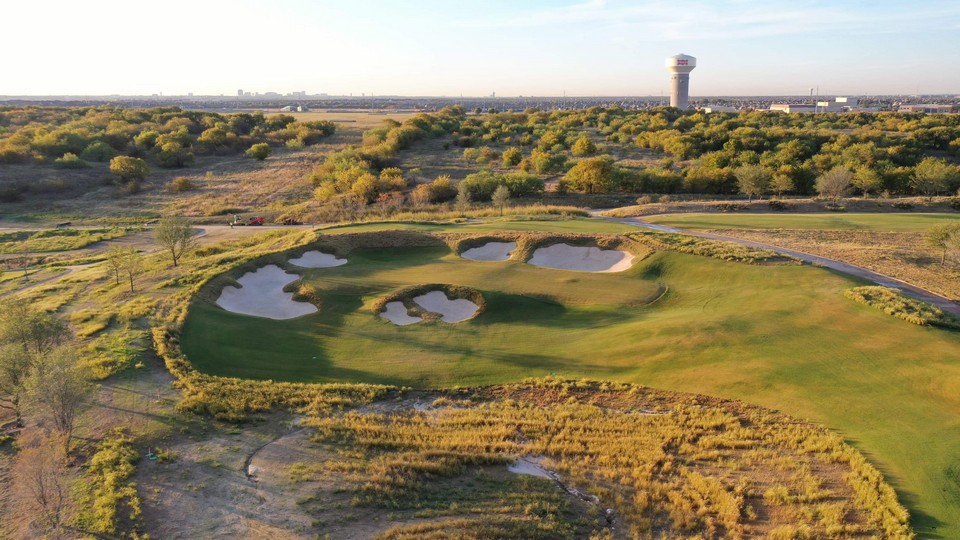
(680, 67)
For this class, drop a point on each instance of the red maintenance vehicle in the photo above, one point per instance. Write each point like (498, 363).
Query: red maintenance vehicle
(249, 222)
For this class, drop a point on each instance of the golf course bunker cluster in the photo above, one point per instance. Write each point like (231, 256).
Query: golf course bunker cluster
(317, 259)
(437, 302)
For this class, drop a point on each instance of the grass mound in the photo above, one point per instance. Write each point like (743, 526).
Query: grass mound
(891, 302)
(725, 251)
(407, 294)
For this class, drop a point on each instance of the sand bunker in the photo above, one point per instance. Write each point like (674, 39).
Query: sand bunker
(581, 258)
(491, 251)
(529, 466)
(317, 259)
(451, 311)
(396, 313)
(262, 295)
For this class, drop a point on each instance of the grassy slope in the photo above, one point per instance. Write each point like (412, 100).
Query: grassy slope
(874, 222)
(782, 337)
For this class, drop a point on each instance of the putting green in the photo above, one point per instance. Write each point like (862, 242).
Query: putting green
(780, 336)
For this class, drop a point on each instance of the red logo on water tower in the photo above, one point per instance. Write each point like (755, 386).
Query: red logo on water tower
(683, 62)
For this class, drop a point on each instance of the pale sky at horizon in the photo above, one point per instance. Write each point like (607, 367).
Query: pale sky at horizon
(443, 47)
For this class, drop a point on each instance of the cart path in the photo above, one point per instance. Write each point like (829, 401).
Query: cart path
(913, 291)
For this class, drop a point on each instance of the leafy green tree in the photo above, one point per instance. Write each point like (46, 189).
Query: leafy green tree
(501, 197)
(583, 146)
(98, 151)
(175, 235)
(834, 183)
(593, 175)
(753, 180)
(932, 176)
(259, 151)
(33, 330)
(512, 156)
(16, 364)
(781, 183)
(173, 155)
(129, 169)
(70, 161)
(867, 180)
(462, 202)
(943, 237)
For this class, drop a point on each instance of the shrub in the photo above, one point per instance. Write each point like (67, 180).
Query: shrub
(892, 302)
(777, 204)
(259, 151)
(902, 206)
(70, 161)
(181, 184)
(955, 203)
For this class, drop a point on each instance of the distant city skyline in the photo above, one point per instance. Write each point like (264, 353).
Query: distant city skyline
(440, 48)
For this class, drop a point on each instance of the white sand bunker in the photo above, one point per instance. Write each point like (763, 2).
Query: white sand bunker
(262, 295)
(317, 259)
(451, 311)
(396, 313)
(581, 258)
(491, 251)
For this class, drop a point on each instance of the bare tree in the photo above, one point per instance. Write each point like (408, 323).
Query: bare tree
(61, 389)
(43, 484)
(462, 201)
(115, 257)
(175, 235)
(501, 197)
(34, 330)
(132, 265)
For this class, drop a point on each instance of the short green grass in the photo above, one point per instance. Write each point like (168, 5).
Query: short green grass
(780, 336)
(832, 221)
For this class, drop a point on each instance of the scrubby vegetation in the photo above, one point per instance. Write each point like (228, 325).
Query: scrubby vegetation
(726, 251)
(664, 464)
(55, 239)
(891, 302)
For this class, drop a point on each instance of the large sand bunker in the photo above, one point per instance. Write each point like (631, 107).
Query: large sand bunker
(396, 313)
(262, 295)
(491, 251)
(317, 259)
(451, 311)
(581, 258)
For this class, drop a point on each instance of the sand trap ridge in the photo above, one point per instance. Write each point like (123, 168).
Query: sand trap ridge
(581, 258)
(261, 295)
(396, 313)
(451, 311)
(491, 251)
(317, 259)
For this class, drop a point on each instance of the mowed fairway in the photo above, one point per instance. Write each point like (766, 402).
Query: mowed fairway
(832, 221)
(779, 336)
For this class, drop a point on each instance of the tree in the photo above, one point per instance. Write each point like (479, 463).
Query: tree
(583, 146)
(753, 180)
(129, 169)
(867, 180)
(115, 256)
(33, 330)
(420, 196)
(462, 201)
(593, 175)
(132, 264)
(15, 367)
(60, 389)
(834, 183)
(259, 151)
(943, 237)
(781, 183)
(43, 483)
(932, 176)
(501, 197)
(512, 156)
(175, 235)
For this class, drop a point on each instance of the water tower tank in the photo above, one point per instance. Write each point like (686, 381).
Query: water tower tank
(680, 66)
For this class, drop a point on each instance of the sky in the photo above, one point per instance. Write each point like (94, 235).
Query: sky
(475, 48)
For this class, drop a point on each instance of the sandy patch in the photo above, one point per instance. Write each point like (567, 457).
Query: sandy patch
(581, 258)
(491, 251)
(396, 313)
(317, 259)
(262, 295)
(529, 466)
(451, 311)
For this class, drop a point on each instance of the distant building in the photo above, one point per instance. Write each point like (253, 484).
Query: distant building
(929, 108)
(239, 93)
(793, 107)
(680, 66)
(718, 108)
(838, 105)
(295, 108)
